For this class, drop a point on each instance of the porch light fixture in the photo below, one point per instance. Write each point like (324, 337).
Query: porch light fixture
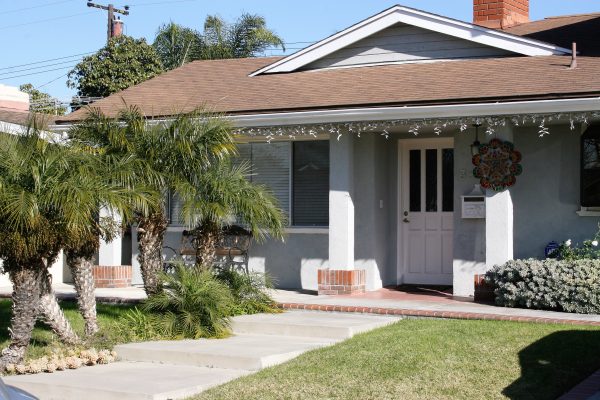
(476, 143)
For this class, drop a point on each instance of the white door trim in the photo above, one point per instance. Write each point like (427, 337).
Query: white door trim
(402, 176)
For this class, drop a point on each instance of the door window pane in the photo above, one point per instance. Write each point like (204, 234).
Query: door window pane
(415, 180)
(448, 180)
(431, 179)
(311, 183)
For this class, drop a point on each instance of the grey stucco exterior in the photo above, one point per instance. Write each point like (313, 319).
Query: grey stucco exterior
(545, 201)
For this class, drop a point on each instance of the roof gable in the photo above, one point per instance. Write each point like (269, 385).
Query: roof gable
(415, 18)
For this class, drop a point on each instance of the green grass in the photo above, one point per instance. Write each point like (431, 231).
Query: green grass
(433, 359)
(44, 341)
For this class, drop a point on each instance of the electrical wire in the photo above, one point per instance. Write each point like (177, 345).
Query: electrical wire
(53, 80)
(160, 3)
(34, 68)
(44, 20)
(34, 7)
(45, 61)
(36, 73)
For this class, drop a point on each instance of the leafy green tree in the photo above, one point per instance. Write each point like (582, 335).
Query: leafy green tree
(122, 63)
(246, 37)
(42, 102)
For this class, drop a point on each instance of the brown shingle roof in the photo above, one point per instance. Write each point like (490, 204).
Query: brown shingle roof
(562, 31)
(13, 116)
(225, 86)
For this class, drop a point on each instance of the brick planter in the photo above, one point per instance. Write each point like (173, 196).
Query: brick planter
(118, 276)
(484, 292)
(332, 282)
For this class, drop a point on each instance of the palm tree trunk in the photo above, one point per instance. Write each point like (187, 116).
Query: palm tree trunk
(207, 238)
(25, 306)
(52, 314)
(81, 270)
(151, 232)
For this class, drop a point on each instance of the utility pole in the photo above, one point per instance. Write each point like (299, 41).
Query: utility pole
(110, 31)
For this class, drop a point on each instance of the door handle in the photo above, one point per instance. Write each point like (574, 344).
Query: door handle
(405, 220)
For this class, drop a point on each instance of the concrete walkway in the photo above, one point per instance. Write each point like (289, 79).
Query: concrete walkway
(423, 304)
(179, 369)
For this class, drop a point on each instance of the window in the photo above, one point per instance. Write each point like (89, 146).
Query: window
(590, 167)
(298, 175)
(311, 183)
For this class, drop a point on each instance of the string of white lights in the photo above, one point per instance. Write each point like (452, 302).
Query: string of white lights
(491, 123)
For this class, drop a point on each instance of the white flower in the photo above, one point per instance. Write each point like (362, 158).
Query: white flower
(568, 243)
(595, 243)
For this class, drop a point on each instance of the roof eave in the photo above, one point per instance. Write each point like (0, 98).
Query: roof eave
(400, 14)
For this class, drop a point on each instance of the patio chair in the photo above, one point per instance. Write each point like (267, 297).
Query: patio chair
(232, 249)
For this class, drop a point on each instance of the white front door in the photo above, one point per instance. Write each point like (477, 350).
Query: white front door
(426, 211)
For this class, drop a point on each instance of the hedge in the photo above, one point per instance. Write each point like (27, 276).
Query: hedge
(571, 286)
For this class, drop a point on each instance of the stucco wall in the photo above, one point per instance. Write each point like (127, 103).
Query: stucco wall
(545, 200)
(469, 234)
(294, 263)
(546, 196)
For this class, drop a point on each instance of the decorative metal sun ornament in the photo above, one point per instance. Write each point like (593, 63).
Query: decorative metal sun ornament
(497, 165)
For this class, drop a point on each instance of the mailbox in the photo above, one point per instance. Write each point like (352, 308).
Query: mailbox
(473, 207)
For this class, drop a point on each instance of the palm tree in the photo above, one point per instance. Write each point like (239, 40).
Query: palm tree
(48, 194)
(121, 174)
(246, 37)
(224, 194)
(169, 152)
(176, 45)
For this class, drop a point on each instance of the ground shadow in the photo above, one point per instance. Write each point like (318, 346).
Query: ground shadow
(554, 364)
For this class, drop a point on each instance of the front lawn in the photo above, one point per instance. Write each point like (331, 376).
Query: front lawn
(433, 359)
(43, 340)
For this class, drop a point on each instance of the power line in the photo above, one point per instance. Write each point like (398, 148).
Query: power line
(37, 73)
(45, 61)
(44, 20)
(34, 68)
(53, 80)
(34, 7)
(160, 3)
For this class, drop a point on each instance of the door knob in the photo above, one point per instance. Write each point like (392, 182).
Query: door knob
(405, 220)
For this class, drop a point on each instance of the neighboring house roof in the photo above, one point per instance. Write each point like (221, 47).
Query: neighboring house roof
(417, 18)
(564, 30)
(12, 116)
(225, 85)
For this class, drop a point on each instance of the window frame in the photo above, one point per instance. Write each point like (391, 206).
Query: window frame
(586, 210)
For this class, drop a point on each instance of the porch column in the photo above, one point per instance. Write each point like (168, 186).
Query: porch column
(341, 277)
(109, 273)
(499, 218)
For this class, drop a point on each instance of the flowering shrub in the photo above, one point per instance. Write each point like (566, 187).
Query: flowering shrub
(571, 285)
(588, 250)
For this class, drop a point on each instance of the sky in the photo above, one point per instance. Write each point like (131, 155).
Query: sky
(44, 39)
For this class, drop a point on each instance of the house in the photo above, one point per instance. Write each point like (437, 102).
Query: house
(369, 137)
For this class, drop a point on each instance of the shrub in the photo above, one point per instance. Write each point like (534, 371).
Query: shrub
(588, 250)
(193, 304)
(572, 286)
(140, 326)
(250, 292)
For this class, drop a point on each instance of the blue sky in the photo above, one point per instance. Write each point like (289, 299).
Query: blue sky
(37, 30)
